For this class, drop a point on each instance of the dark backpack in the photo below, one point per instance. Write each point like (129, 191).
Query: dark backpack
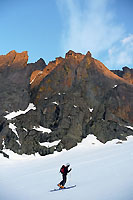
(62, 169)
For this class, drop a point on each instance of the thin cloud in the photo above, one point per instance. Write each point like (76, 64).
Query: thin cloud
(89, 25)
(121, 55)
(128, 40)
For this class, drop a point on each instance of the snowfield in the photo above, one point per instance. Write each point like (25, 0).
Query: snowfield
(100, 172)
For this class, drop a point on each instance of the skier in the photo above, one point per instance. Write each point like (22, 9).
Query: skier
(64, 170)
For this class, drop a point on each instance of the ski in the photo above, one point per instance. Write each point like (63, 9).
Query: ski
(65, 188)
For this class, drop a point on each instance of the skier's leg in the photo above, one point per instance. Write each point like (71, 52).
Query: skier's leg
(61, 183)
(64, 180)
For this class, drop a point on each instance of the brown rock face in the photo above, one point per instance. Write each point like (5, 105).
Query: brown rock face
(14, 59)
(21, 59)
(74, 96)
(14, 80)
(72, 55)
(93, 79)
(38, 76)
(127, 74)
(71, 58)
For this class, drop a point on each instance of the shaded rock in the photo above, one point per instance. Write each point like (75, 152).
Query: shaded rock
(108, 130)
(15, 81)
(30, 145)
(119, 142)
(68, 142)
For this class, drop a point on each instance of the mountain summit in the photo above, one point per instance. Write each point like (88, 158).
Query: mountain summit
(13, 58)
(71, 97)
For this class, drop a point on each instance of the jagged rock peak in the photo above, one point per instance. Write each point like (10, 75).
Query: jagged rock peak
(59, 60)
(40, 62)
(38, 75)
(72, 54)
(88, 54)
(125, 73)
(14, 59)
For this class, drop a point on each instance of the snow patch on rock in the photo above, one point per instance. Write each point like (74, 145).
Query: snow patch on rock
(42, 129)
(50, 144)
(14, 114)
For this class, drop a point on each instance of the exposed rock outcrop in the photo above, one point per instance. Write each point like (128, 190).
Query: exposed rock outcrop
(14, 59)
(74, 96)
(14, 80)
(127, 74)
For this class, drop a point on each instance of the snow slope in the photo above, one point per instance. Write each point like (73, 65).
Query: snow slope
(101, 172)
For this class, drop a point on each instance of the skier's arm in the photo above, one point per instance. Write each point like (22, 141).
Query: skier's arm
(69, 170)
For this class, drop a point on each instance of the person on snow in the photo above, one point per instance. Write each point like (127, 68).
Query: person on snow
(64, 170)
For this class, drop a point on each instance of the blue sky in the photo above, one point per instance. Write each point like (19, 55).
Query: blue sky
(49, 28)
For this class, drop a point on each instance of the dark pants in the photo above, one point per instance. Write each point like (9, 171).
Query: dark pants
(64, 176)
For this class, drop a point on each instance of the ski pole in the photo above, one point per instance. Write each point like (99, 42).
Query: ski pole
(70, 178)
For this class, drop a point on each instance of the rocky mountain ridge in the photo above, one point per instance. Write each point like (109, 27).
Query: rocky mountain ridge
(73, 96)
(13, 58)
(126, 73)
